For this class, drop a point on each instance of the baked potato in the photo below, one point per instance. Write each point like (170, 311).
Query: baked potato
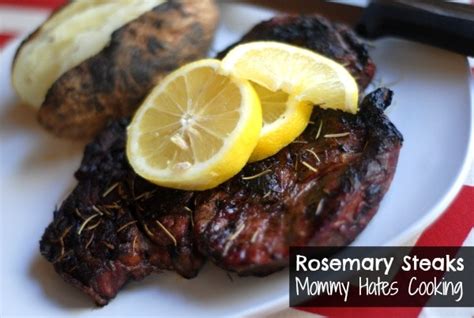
(94, 60)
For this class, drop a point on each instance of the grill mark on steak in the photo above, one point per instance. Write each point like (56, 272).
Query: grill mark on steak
(129, 243)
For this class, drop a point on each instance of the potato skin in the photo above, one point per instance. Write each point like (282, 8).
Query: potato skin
(112, 83)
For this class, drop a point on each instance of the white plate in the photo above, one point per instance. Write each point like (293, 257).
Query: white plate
(431, 108)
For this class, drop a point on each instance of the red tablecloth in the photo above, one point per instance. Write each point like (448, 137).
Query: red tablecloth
(458, 219)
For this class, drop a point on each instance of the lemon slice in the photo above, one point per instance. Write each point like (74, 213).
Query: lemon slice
(196, 129)
(305, 75)
(284, 119)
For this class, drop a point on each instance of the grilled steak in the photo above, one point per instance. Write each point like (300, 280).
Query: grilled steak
(115, 226)
(318, 34)
(320, 190)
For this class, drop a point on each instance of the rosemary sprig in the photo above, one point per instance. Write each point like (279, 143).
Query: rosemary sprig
(90, 218)
(190, 214)
(147, 230)
(78, 213)
(145, 195)
(61, 239)
(314, 154)
(339, 135)
(232, 238)
(264, 172)
(110, 189)
(319, 208)
(167, 232)
(89, 242)
(108, 245)
(123, 227)
(319, 129)
(94, 225)
(96, 209)
(310, 167)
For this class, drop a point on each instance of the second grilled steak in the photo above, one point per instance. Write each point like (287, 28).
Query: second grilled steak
(321, 190)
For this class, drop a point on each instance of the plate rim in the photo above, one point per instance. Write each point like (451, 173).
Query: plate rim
(282, 303)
